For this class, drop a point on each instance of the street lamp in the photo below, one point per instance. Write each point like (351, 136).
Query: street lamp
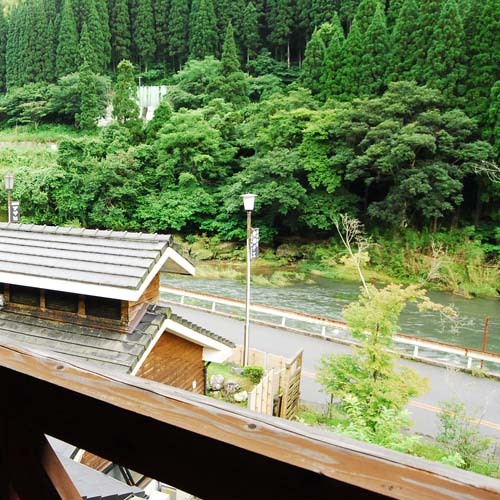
(9, 185)
(248, 203)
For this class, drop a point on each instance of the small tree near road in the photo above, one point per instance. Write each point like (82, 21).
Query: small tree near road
(368, 385)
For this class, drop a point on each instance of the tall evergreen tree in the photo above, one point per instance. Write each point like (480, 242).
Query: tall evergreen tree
(333, 61)
(234, 87)
(178, 31)
(97, 37)
(15, 47)
(144, 36)
(322, 12)
(223, 15)
(86, 50)
(120, 31)
(280, 27)
(403, 42)
(237, 12)
(87, 118)
(103, 16)
(375, 63)
(124, 102)
(347, 11)
(393, 12)
(364, 14)
(429, 11)
(37, 31)
(349, 72)
(3, 50)
(445, 64)
(250, 31)
(312, 66)
(492, 129)
(203, 29)
(484, 60)
(67, 56)
(161, 10)
(50, 9)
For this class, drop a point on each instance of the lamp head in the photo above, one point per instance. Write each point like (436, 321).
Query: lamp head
(9, 181)
(248, 201)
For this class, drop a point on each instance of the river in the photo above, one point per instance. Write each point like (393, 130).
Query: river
(326, 297)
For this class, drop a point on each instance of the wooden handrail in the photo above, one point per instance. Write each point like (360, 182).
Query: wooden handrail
(208, 448)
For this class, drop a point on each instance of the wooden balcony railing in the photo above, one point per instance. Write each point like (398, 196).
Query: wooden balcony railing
(205, 447)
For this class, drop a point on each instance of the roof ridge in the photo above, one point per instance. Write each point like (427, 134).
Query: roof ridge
(85, 232)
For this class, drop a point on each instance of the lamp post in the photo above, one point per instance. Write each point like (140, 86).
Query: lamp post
(248, 203)
(9, 185)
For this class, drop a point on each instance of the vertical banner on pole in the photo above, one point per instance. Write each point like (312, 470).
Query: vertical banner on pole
(254, 243)
(14, 211)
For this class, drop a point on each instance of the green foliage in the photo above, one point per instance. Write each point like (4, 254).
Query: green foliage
(461, 436)
(119, 26)
(125, 107)
(144, 36)
(29, 104)
(197, 82)
(203, 30)
(234, 83)
(387, 429)
(178, 31)
(67, 55)
(89, 108)
(445, 64)
(312, 66)
(369, 379)
(254, 373)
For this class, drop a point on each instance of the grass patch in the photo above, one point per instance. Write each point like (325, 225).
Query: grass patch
(41, 134)
(246, 378)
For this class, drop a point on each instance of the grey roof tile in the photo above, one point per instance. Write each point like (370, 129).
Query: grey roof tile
(102, 348)
(55, 255)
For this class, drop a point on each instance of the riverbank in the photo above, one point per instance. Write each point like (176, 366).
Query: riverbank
(463, 269)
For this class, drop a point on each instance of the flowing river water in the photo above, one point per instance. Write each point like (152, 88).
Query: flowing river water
(326, 297)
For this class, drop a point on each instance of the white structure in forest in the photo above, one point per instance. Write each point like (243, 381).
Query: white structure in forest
(148, 99)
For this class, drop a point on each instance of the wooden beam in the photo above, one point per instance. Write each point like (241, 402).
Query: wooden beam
(208, 448)
(30, 467)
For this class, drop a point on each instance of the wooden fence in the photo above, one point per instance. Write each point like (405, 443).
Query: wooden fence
(278, 392)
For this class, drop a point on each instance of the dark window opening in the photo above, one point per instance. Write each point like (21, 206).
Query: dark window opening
(25, 295)
(61, 301)
(103, 308)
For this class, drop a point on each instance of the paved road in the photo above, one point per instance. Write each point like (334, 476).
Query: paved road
(481, 396)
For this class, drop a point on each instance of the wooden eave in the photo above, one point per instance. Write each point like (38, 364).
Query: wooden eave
(174, 436)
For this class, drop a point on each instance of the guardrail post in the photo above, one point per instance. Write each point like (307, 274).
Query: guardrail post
(213, 306)
(323, 331)
(415, 351)
(469, 362)
(283, 321)
(182, 300)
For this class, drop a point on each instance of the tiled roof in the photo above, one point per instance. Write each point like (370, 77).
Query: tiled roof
(112, 264)
(105, 349)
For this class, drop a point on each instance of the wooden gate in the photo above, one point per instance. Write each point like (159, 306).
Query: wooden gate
(278, 392)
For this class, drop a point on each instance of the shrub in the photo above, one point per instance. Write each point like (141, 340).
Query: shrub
(254, 373)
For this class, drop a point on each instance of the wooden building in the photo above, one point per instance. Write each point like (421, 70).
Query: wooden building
(92, 296)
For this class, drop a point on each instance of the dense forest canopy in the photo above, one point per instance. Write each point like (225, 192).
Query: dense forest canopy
(386, 110)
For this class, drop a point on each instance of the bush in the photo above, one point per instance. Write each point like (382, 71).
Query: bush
(254, 373)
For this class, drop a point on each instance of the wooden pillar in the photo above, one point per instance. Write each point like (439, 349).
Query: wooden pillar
(29, 467)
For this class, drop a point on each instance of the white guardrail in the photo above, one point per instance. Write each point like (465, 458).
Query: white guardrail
(415, 347)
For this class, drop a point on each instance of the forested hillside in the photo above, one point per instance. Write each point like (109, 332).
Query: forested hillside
(388, 111)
